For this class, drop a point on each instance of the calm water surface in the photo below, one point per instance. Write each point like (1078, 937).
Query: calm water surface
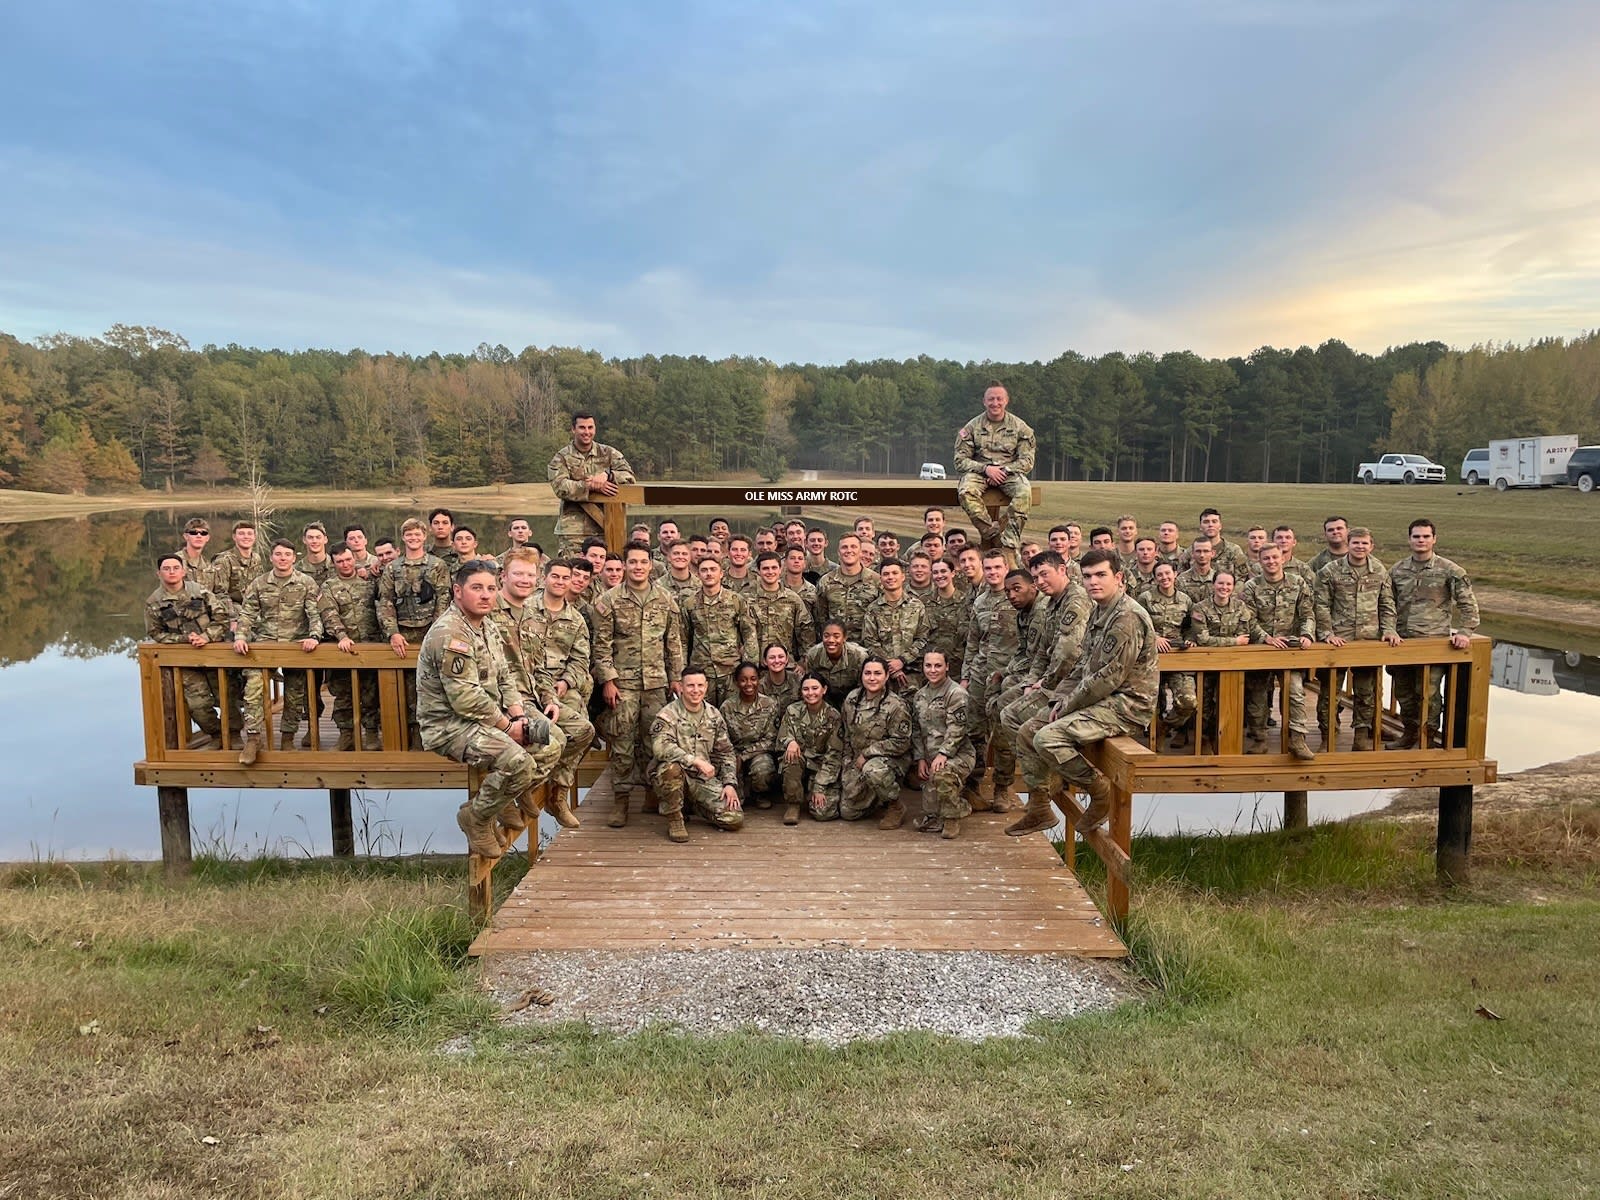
(71, 610)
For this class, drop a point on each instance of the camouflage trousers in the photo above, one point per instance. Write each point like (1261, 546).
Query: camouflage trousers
(1002, 741)
(1019, 494)
(1258, 686)
(414, 637)
(874, 785)
(573, 721)
(1409, 691)
(1046, 747)
(1363, 695)
(510, 770)
(1180, 698)
(757, 773)
(200, 698)
(941, 791)
(294, 701)
(800, 787)
(677, 786)
(364, 689)
(626, 729)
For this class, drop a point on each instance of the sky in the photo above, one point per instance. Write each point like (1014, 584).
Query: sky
(809, 181)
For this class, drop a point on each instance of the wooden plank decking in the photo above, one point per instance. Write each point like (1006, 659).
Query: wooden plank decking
(844, 885)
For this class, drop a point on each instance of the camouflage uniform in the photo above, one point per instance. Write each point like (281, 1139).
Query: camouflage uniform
(878, 729)
(568, 469)
(1357, 605)
(947, 627)
(1283, 609)
(1322, 558)
(842, 675)
(1030, 628)
(170, 617)
(1218, 625)
(349, 609)
(196, 570)
(807, 591)
(1112, 691)
(677, 738)
(719, 633)
(845, 598)
(939, 726)
(897, 630)
(817, 772)
(753, 728)
(1008, 443)
(1172, 557)
(1227, 556)
(321, 572)
(1426, 595)
(679, 589)
(412, 595)
(782, 616)
(536, 666)
(277, 610)
(741, 585)
(992, 641)
(231, 573)
(1062, 623)
(1197, 586)
(1293, 566)
(463, 687)
(638, 645)
(785, 694)
(1169, 615)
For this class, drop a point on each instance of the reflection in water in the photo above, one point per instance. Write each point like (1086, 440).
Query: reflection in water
(71, 605)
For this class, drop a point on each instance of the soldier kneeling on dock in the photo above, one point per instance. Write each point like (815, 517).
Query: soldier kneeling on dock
(470, 710)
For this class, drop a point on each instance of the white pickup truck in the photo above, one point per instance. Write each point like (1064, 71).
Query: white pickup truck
(1400, 468)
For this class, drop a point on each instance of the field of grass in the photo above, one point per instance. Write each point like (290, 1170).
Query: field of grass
(1309, 1026)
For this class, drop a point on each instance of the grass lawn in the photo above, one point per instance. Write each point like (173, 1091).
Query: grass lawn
(1307, 1027)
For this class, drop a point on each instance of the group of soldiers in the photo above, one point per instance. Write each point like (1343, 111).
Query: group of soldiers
(724, 669)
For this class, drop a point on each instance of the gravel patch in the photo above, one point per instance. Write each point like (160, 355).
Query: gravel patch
(821, 995)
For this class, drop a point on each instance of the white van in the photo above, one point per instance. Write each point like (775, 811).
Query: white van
(932, 471)
(1475, 467)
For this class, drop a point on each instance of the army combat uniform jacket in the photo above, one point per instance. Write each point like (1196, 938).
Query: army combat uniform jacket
(1008, 443)
(280, 610)
(412, 595)
(845, 598)
(1356, 604)
(1118, 668)
(568, 469)
(173, 616)
(1428, 594)
(349, 608)
(638, 642)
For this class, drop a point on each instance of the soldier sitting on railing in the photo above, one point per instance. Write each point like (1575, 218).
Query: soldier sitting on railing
(180, 611)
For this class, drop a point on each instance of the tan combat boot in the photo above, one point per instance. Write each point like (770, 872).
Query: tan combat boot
(619, 808)
(1299, 747)
(791, 814)
(1255, 741)
(1038, 815)
(951, 830)
(676, 831)
(556, 805)
(893, 816)
(1407, 739)
(974, 798)
(1098, 789)
(286, 740)
(251, 748)
(483, 839)
(1361, 740)
(347, 740)
(1005, 800)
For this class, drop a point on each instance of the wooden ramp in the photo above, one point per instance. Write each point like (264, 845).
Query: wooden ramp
(845, 885)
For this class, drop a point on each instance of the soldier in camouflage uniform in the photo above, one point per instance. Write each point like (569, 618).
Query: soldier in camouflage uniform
(280, 606)
(1283, 537)
(1336, 536)
(1168, 606)
(692, 760)
(1197, 579)
(740, 575)
(809, 739)
(895, 629)
(679, 578)
(838, 661)
(719, 631)
(638, 649)
(1023, 596)
(1284, 609)
(181, 611)
(547, 651)
(1169, 544)
(992, 642)
(781, 678)
(844, 593)
(579, 471)
(1221, 620)
(196, 567)
(316, 561)
(995, 449)
(780, 615)
(1432, 598)
(231, 573)
(752, 720)
(1112, 691)
(349, 617)
(794, 578)
(1354, 601)
(941, 747)
(470, 710)
(949, 613)
(1062, 616)
(875, 748)
(1225, 555)
(413, 592)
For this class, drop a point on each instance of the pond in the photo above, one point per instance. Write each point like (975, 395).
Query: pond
(71, 610)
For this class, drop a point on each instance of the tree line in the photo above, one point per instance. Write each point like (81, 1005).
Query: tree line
(140, 407)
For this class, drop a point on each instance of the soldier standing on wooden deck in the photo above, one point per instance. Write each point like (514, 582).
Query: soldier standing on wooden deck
(692, 760)
(941, 747)
(638, 649)
(1354, 602)
(1432, 598)
(1112, 691)
(413, 592)
(470, 710)
(844, 593)
(579, 471)
(196, 567)
(995, 450)
(231, 573)
(1283, 605)
(350, 616)
(279, 606)
(181, 611)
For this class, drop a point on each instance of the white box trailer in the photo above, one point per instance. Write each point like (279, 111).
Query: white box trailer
(1530, 462)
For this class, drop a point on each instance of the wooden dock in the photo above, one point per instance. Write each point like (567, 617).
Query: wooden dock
(835, 884)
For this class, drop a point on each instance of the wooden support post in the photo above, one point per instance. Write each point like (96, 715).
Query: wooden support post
(1296, 813)
(1121, 834)
(1454, 840)
(177, 854)
(344, 836)
(480, 888)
